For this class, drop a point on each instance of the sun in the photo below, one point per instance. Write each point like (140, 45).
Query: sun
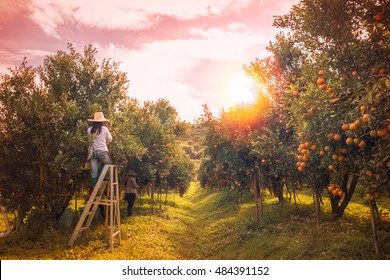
(242, 90)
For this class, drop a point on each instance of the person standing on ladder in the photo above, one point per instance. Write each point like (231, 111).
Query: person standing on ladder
(101, 137)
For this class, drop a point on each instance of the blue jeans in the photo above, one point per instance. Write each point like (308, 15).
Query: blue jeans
(99, 156)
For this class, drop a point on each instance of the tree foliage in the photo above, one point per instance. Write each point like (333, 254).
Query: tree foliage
(43, 123)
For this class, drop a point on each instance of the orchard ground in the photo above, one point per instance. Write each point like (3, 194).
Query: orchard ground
(209, 224)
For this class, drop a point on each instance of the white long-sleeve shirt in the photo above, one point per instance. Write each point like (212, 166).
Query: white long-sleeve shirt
(100, 141)
(131, 185)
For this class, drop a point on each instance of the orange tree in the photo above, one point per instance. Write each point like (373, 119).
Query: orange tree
(335, 57)
(274, 145)
(43, 128)
(228, 160)
(145, 140)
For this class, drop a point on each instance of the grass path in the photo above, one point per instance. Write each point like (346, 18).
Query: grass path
(207, 224)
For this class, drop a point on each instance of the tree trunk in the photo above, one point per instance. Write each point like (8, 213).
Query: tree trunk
(255, 190)
(374, 227)
(348, 186)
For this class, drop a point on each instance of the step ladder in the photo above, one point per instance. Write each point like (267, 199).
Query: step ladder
(98, 197)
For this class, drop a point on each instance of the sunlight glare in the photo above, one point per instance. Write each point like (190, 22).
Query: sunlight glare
(242, 90)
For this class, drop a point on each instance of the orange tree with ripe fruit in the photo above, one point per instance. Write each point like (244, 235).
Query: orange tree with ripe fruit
(228, 161)
(335, 54)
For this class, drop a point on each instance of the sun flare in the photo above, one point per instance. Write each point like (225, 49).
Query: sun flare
(242, 90)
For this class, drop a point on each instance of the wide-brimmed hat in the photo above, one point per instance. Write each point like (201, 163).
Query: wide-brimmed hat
(98, 117)
(131, 173)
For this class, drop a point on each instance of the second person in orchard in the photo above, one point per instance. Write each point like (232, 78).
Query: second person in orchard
(101, 136)
(131, 190)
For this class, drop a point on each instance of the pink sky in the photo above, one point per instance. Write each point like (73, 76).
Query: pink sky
(186, 51)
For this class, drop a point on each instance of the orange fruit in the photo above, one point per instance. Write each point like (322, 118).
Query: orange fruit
(329, 90)
(337, 137)
(354, 74)
(363, 108)
(298, 164)
(302, 164)
(341, 158)
(322, 87)
(321, 72)
(378, 16)
(335, 157)
(362, 144)
(331, 188)
(306, 158)
(373, 133)
(365, 118)
(300, 169)
(327, 149)
(343, 151)
(322, 153)
(369, 173)
(352, 126)
(296, 94)
(334, 192)
(356, 141)
(330, 136)
(381, 133)
(340, 193)
(357, 123)
(331, 167)
(320, 81)
(313, 148)
(382, 71)
(349, 141)
(345, 127)
(307, 144)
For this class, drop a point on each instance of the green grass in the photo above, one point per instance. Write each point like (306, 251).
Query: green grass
(208, 224)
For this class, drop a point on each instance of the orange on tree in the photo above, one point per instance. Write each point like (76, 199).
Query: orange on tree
(327, 149)
(382, 133)
(345, 127)
(378, 16)
(357, 123)
(352, 126)
(362, 144)
(320, 81)
(322, 87)
(337, 137)
(365, 118)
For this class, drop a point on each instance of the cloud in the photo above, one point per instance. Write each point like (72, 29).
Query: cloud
(124, 14)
